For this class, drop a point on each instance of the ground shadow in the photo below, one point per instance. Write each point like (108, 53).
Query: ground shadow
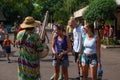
(14, 61)
(2, 60)
(50, 60)
(46, 60)
(88, 79)
(13, 54)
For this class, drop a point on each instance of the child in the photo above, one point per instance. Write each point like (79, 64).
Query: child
(7, 47)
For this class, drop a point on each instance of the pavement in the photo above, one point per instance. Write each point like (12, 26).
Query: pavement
(110, 62)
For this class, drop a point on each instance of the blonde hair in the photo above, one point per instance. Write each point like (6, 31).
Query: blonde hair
(72, 19)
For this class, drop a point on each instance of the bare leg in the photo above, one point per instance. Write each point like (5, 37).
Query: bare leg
(65, 72)
(56, 72)
(85, 72)
(93, 71)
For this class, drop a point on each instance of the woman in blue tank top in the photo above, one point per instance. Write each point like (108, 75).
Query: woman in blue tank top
(60, 48)
(91, 53)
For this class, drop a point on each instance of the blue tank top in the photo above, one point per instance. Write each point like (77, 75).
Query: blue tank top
(61, 46)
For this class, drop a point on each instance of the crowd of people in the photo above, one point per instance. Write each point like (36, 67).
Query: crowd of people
(78, 39)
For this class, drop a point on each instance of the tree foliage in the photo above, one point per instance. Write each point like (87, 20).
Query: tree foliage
(100, 9)
(14, 9)
(59, 10)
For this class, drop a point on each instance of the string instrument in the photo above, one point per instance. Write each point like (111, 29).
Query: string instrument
(45, 51)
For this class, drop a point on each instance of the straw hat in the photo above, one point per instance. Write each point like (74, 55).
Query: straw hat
(29, 22)
(38, 23)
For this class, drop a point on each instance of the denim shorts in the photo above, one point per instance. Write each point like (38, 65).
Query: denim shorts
(89, 60)
(63, 63)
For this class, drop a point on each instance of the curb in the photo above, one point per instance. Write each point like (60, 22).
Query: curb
(110, 46)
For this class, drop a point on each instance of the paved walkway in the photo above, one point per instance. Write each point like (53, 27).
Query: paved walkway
(110, 61)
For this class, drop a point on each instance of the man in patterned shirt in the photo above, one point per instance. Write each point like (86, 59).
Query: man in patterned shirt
(30, 51)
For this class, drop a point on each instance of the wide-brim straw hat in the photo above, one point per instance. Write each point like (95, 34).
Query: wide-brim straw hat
(30, 22)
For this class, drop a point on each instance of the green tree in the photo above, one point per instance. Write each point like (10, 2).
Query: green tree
(59, 10)
(14, 8)
(100, 9)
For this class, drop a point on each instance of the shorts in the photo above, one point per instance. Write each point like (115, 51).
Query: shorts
(63, 63)
(89, 60)
(7, 49)
(76, 56)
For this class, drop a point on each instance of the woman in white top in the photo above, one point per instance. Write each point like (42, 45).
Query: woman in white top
(91, 55)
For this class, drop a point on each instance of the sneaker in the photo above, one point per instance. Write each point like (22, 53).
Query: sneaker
(81, 77)
(8, 61)
(52, 77)
(78, 77)
(61, 77)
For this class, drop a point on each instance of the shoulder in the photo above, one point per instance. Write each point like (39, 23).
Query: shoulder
(54, 35)
(5, 40)
(74, 29)
(21, 32)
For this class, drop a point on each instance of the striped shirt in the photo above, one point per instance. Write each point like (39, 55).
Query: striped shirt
(28, 60)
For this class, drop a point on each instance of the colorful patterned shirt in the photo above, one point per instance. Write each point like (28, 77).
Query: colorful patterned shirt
(29, 60)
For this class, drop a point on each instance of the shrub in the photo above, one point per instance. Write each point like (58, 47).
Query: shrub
(110, 41)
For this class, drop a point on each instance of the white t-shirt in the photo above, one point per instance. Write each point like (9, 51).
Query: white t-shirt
(77, 39)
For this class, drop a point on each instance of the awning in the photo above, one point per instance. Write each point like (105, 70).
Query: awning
(79, 13)
(118, 2)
